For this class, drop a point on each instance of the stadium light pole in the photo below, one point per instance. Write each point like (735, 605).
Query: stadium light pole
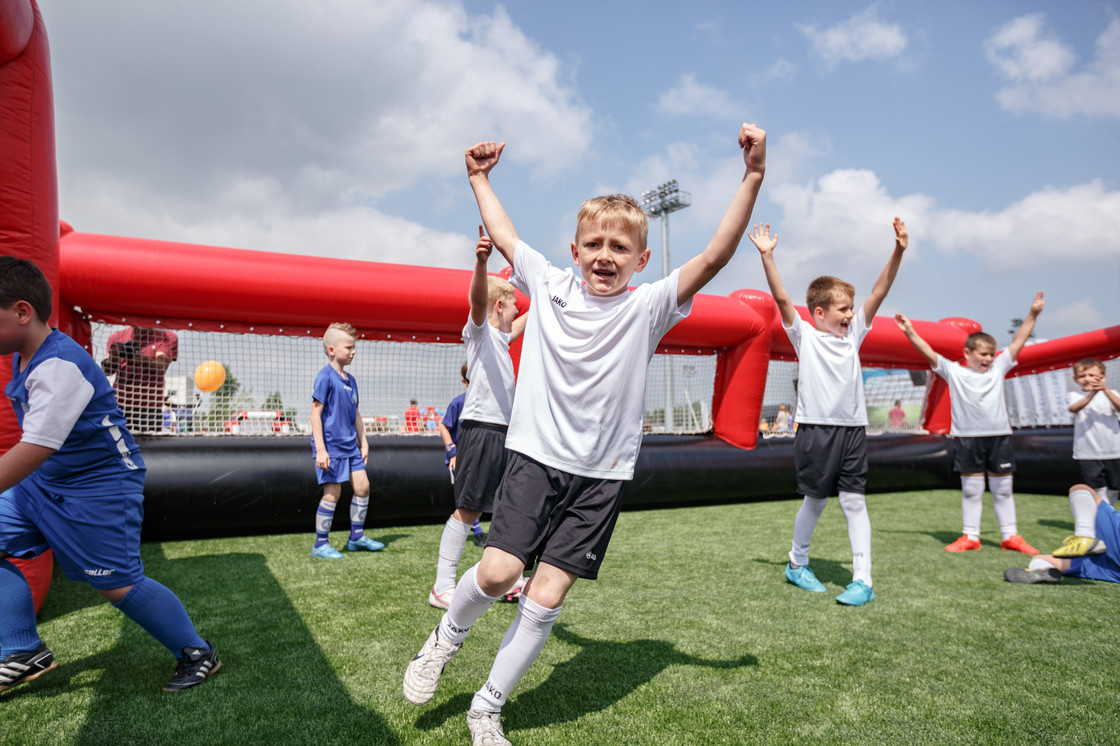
(658, 203)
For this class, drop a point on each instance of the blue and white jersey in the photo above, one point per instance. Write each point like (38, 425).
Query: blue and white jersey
(339, 397)
(64, 401)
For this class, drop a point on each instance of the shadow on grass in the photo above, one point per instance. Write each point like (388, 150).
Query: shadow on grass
(599, 675)
(827, 571)
(275, 684)
(386, 539)
(1060, 525)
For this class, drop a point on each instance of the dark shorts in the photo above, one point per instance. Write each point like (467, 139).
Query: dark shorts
(95, 539)
(830, 459)
(480, 461)
(1099, 473)
(545, 514)
(988, 454)
(1101, 566)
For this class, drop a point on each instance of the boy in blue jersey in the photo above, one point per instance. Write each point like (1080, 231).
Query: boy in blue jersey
(1046, 568)
(73, 483)
(339, 445)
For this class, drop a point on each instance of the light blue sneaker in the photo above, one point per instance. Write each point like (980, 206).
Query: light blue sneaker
(326, 551)
(804, 579)
(857, 594)
(364, 543)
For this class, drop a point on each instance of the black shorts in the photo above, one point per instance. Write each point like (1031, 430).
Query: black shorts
(480, 461)
(545, 514)
(830, 459)
(1099, 473)
(986, 454)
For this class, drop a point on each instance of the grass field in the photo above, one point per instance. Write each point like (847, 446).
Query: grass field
(690, 636)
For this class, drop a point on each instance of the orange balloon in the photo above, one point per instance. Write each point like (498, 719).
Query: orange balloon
(209, 376)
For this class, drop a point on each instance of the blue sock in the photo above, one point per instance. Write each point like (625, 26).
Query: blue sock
(476, 527)
(17, 613)
(160, 612)
(358, 508)
(324, 517)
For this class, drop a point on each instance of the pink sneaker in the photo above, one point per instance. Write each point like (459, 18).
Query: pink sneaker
(513, 595)
(440, 600)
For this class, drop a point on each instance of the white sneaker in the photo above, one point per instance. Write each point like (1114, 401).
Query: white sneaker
(514, 593)
(486, 728)
(440, 600)
(422, 675)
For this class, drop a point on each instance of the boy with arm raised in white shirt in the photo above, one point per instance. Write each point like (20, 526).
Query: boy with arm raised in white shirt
(981, 428)
(576, 426)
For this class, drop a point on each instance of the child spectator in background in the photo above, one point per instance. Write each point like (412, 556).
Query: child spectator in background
(1096, 448)
(339, 445)
(783, 423)
(981, 428)
(74, 482)
(830, 448)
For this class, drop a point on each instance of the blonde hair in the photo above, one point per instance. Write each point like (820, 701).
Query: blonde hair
(497, 288)
(976, 339)
(331, 335)
(1086, 363)
(616, 208)
(825, 289)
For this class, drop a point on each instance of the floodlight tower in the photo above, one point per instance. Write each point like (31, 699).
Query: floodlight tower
(658, 203)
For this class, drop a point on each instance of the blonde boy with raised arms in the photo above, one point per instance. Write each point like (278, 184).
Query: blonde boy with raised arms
(981, 428)
(576, 425)
(480, 451)
(830, 447)
(339, 445)
(1096, 449)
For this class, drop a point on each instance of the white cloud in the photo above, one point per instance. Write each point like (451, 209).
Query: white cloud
(1080, 315)
(690, 97)
(861, 37)
(1042, 74)
(781, 71)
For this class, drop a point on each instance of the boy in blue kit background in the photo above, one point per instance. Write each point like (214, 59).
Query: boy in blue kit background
(981, 428)
(480, 448)
(830, 447)
(74, 483)
(576, 426)
(339, 445)
(449, 434)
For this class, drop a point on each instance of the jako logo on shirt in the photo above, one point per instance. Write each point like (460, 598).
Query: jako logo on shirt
(559, 301)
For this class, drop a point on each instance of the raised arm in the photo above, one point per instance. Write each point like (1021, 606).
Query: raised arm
(920, 344)
(1023, 333)
(481, 158)
(886, 279)
(480, 293)
(698, 271)
(518, 326)
(761, 238)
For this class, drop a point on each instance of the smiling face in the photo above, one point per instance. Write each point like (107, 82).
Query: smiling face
(980, 357)
(837, 317)
(608, 253)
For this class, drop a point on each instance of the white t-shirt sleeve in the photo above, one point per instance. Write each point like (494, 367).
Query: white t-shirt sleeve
(57, 394)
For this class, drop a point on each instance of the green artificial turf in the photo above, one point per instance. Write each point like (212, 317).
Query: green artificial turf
(690, 636)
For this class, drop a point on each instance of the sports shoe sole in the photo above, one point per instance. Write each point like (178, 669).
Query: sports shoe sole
(31, 677)
(1050, 575)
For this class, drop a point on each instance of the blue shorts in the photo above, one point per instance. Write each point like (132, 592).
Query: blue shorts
(340, 469)
(95, 539)
(1101, 566)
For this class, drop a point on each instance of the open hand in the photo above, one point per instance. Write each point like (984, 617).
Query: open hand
(761, 238)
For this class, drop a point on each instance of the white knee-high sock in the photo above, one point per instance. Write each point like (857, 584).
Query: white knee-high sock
(854, 506)
(467, 605)
(1004, 503)
(972, 505)
(523, 642)
(1110, 496)
(451, 545)
(807, 516)
(1084, 509)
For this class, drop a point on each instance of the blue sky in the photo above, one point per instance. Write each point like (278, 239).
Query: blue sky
(337, 128)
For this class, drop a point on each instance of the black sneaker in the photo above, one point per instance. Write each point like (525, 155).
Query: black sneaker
(194, 667)
(479, 539)
(20, 667)
(1019, 575)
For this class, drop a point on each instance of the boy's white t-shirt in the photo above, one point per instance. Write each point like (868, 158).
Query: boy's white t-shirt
(976, 400)
(1096, 428)
(830, 380)
(490, 372)
(582, 382)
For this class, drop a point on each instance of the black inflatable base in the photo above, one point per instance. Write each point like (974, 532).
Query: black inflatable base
(201, 487)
